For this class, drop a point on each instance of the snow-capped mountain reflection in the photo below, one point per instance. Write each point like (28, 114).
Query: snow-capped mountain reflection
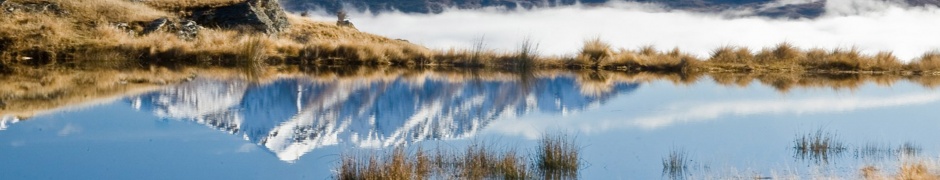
(292, 116)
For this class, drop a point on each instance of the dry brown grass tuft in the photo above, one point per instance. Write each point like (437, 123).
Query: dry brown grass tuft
(872, 173)
(177, 5)
(593, 52)
(927, 63)
(481, 162)
(839, 60)
(112, 10)
(782, 53)
(513, 166)
(732, 55)
(647, 58)
(477, 162)
(907, 170)
(399, 165)
(883, 61)
(916, 171)
(557, 157)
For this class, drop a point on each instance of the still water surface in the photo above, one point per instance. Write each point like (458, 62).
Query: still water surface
(295, 127)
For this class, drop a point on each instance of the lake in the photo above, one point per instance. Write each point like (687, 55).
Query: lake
(296, 126)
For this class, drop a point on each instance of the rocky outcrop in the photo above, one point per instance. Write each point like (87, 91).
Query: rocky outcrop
(254, 15)
(188, 29)
(185, 29)
(156, 25)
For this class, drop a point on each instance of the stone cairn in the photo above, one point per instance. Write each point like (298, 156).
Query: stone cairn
(342, 20)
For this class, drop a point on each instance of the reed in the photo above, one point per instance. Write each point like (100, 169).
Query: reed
(676, 164)
(818, 146)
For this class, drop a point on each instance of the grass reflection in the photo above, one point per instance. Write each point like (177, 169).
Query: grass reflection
(676, 165)
(35, 89)
(883, 151)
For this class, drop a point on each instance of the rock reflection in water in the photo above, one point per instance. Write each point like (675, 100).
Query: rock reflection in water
(293, 115)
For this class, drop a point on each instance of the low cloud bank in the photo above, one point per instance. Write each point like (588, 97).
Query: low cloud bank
(870, 25)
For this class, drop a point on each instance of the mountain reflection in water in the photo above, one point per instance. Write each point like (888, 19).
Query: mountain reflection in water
(291, 116)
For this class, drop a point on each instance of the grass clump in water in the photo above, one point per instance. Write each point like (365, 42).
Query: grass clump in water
(557, 157)
(481, 162)
(398, 165)
(818, 146)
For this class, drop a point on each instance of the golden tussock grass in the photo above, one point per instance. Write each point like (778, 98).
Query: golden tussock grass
(87, 32)
(109, 11)
(476, 161)
(647, 58)
(592, 53)
(910, 170)
(557, 157)
(177, 5)
(399, 165)
(39, 37)
(928, 62)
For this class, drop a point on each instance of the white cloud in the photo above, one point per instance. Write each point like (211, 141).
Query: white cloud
(677, 113)
(70, 129)
(246, 148)
(17, 143)
(870, 25)
(706, 111)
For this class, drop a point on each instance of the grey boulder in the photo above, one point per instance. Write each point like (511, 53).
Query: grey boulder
(255, 15)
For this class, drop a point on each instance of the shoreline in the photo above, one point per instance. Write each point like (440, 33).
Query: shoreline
(38, 89)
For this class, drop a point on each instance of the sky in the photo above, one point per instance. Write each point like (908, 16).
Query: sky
(869, 25)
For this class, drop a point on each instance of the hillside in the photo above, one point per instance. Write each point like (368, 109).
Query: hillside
(175, 32)
(59, 53)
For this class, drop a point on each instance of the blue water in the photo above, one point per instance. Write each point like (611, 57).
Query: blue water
(296, 127)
